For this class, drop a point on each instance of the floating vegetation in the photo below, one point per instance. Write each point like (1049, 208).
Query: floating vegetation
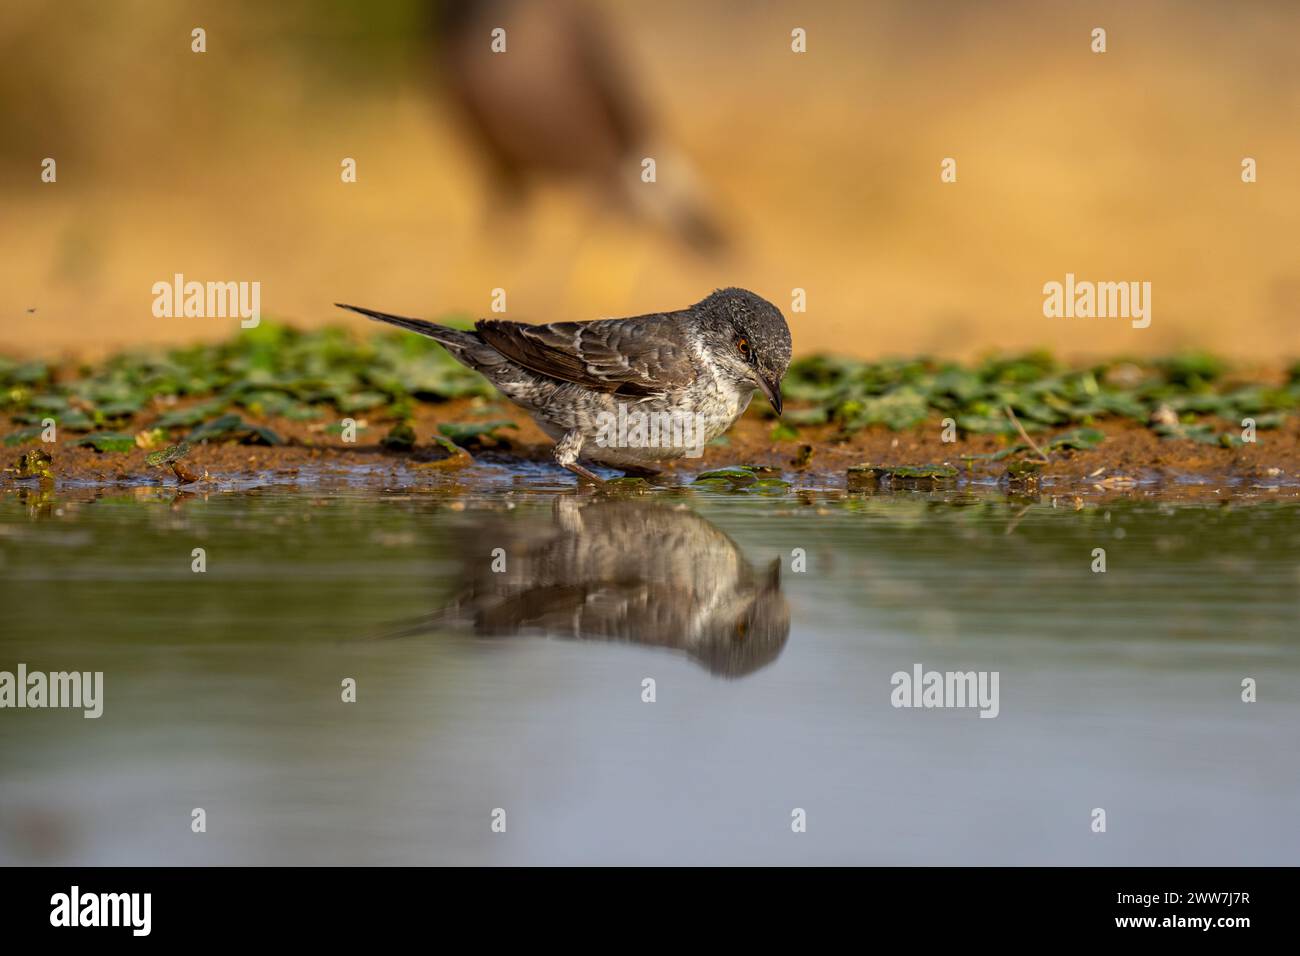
(733, 476)
(625, 485)
(866, 476)
(1024, 469)
(756, 478)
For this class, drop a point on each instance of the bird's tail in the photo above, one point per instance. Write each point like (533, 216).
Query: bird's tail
(453, 339)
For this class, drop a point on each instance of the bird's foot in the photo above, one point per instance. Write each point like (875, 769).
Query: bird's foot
(566, 454)
(585, 475)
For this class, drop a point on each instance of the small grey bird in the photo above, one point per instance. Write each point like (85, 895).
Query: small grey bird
(629, 392)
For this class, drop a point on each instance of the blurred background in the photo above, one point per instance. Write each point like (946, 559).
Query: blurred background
(776, 170)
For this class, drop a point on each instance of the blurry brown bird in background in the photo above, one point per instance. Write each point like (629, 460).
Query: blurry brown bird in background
(559, 103)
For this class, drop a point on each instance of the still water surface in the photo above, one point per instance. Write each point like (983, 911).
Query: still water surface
(522, 689)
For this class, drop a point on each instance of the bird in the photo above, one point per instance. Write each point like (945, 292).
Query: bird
(632, 392)
(586, 574)
(558, 101)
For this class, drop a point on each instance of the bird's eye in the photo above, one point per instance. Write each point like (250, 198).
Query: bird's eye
(743, 345)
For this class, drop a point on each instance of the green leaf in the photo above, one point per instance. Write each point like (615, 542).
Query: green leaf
(167, 456)
(997, 455)
(231, 426)
(123, 408)
(918, 472)
(25, 373)
(869, 474)
(108, 441)
(990, 425)
(625, 485)
(189, 417)
(735, 476)
(73, 420)
(336, 428)
(361, 401)
(1024, 468)
(902, 408)
(1079, 438)
(401, 437)
(22, 436)
(225, 426)
(464, 432)
(1201, 434)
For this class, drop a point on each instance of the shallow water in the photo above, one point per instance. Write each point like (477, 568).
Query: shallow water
(522, 689)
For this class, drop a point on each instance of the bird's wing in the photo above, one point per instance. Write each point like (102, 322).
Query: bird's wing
(636, 356)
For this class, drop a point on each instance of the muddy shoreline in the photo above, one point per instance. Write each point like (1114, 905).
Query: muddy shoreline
(1131, 459)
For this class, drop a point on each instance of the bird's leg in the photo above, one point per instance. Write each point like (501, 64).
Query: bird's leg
(586, 475)
(566, 453)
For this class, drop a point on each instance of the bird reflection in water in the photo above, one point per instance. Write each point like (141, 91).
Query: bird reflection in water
(617, 570)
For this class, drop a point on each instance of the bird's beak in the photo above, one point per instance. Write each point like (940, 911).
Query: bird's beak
(773, 392)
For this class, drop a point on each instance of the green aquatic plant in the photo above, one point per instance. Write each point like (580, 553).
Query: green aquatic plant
(108, 441)
(760, 479)
(232, 427)
(401, 437)
(167, 456)
(201, 392)
(868, 475)
(34, 464)
(466, 432)
(1042, 392)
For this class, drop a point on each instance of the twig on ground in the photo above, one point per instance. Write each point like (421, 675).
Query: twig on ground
(1025, 435)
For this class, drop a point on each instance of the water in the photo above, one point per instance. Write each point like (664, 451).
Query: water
(522, 690)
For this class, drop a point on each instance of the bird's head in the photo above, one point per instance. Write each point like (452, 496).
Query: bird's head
(749, 628)
(748, 340)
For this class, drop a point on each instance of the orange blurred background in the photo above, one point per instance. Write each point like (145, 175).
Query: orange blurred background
(823, 167)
